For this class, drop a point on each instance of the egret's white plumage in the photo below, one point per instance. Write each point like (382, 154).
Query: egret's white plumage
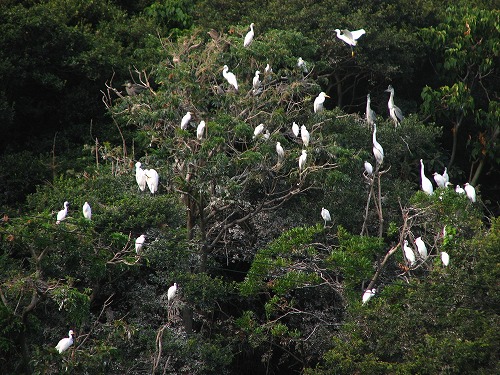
(445, 258)
(470, 191)
(61, 215)
(301, 64)
(304, 134)
(87, 211)
(140, 177)
(258, 130)
(152, 179)
(200, 130)
(445, 176)
(280, 151)
(350, 37)
(368, 294)
(378, 151)
(394, 111)
(459, 189)
(325, 214)
(267, 135)
(249, 37)
(302, 160)
(172, 292)
(440, 182)
(256, 81)
(426, 183)
(268, 69)
(409, 254)
(295, 129)
(318, 102)
(139, 242)
(368, 168)
(65, 343)
(422, 249)
(185, 120)
(230, 77)
(370, 114)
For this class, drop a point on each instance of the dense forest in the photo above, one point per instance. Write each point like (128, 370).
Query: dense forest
(248, 187)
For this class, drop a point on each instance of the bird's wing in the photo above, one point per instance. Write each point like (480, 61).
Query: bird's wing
(357, 33)
(348, 34)
(399, 113)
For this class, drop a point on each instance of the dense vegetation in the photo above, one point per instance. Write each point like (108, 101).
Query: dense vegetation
(265, 285)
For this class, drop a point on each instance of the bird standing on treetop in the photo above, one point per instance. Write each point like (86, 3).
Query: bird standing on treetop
(230, 77)
(61, 215)
(256, 82)
(378, 151)
(409, 254)
(171, 292)
(394, 111)
(249, 37)
(87, 211)
(459, 189)
(445, 176)
(368, 168)
(140, 177)
(301, 64)
(302, 160)
(295, 129)
(200, 130)
(65, 343)
(440, 182)
(426, 183)
(318, 102)
(422, 249)
(258, 130)
(470, 191)
(370, 114)
(139, 242)
(280, 151)
(304, 134)
(185, 120)
(368, 294)
(445, 258)
(152, 180)
(350, 37)
(325, 214)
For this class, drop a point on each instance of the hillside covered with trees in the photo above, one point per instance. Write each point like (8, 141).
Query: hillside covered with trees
(208, 187)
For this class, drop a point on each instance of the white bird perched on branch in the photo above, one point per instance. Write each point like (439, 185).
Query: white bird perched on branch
(350, 37)
(445, 258)
(152, 179)
(302, 160)
(304, 134)
(370, 114)
(325, 214)
(459, 189)
(185, 120)
(65, 343)
(139, 242)
(440, 182)
(422, 249)
(378, 151)
(249, 37)
(426, 183)
(87, 211)
(256, 81)
(172, 291)
(258, 130)
(61, 215)
(140, 177)
(368, 294)
(368, 168)
(301, 64)
(200, 130)
(318, 102)
(409, 254)
(295, 129)
(394, 111)
(470, 191)
(280, 151)
(230, 77)
(445, 176)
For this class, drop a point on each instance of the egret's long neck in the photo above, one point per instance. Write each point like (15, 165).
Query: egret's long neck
(422, 172)
(391, 100)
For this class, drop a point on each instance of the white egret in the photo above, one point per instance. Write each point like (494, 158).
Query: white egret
(470, 191)
(87, 211)
(422, 249)
(459, 189)
(325, 214)
(267, 135)
(280, 151)
(368, 168)
(318, 102)
(256, 81)
(230, 77)
(304, 134)
(185, 120)
(368, 294)
(445, 176)
(65, 343)
(140, 177)
(302, 160)
(426, 183)
(61, 215)
(200, 130)
(394, 111)
(258, 130)
(440, 182)
(409, 254)
(139, 242)
(295, 129)
(350, 37)
(378, 151)
(249, 37)
(301, 64)
(445, 258)
(268, 69)
(370, 114)
(152, 180)
(172, 292)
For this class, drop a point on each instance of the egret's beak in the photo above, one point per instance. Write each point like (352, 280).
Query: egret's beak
(326, 96)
